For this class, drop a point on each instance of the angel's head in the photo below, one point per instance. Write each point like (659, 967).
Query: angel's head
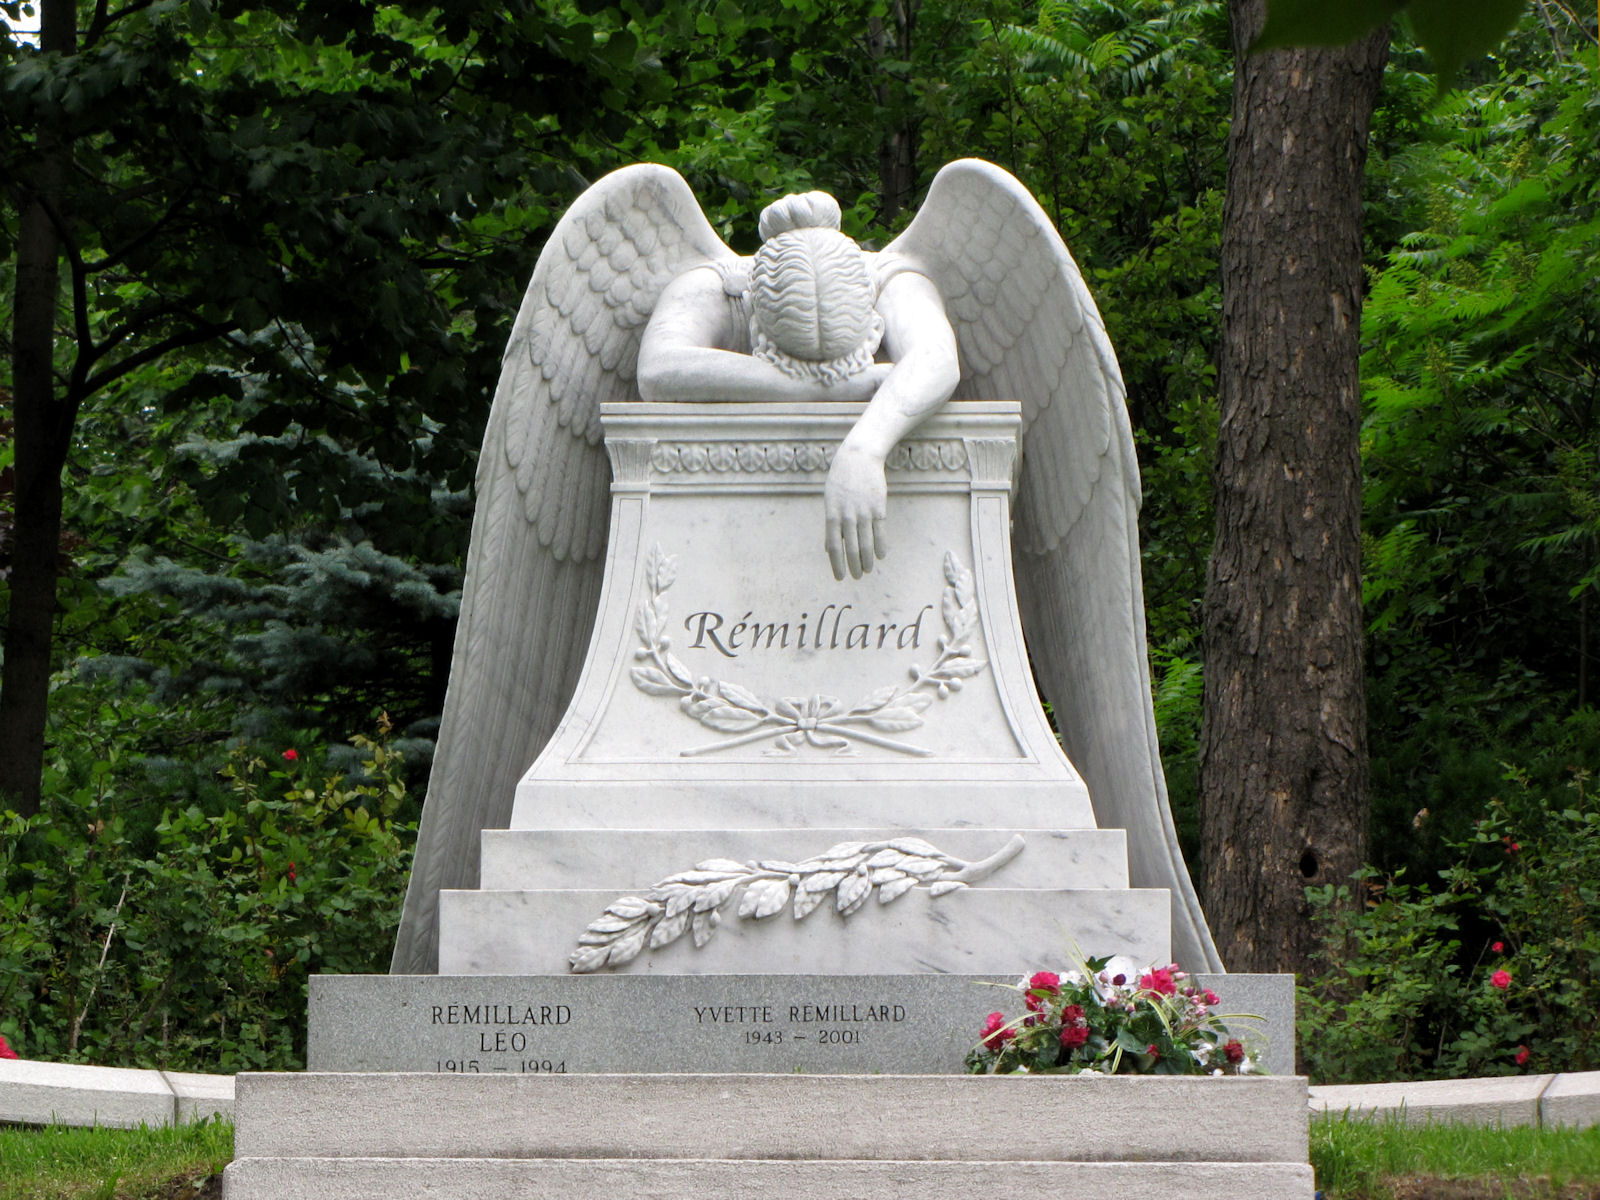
(813, 305)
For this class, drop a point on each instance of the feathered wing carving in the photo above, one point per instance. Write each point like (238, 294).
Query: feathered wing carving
(1028, 330)
(535, 563)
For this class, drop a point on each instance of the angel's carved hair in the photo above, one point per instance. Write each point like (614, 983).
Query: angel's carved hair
(813, 305)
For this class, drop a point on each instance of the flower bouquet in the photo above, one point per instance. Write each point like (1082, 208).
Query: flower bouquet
(1111, 1018)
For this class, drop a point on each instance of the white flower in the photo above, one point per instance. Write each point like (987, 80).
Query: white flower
(1073, 978)
(1121, 967)
(1216, 1071)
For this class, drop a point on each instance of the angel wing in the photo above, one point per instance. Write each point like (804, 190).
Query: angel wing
(535, 563)
(1028, 330)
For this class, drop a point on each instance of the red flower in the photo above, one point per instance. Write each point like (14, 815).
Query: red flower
(1212, 998)
(291, 754)
(1498, 947)
(1233, 1051)
(5, 1048)
(995, 1034)
(1042, 981)
(1159, 981)
(1522, 1056)
(291, 873)
(1073, 1036)
(1501, 979)
(1153, 1050)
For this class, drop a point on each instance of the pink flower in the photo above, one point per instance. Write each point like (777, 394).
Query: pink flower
(1501, 979)
(1153, 1050)
(5, 1048)
(1233, 1051)
(1522, 1056)
(1159, 981)
(995, 1034)
(291, 754)
(1212, 998)
(1498, 947)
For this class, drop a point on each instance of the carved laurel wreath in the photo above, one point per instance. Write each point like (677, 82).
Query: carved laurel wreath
(819, 721)
(692, 901)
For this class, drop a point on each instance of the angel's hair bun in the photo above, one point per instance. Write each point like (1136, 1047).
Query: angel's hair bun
(805, 210)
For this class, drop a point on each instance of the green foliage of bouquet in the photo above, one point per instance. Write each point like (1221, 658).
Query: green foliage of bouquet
(1111, 1018)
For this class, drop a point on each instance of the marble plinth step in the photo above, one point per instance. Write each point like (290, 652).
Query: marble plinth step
(939, 795)
(832, 1118)
(636, 858)
(978, 931)
(720, 1179)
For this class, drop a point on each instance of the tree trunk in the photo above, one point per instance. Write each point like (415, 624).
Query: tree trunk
(897, 151)
(1283, 766)
(43, 428)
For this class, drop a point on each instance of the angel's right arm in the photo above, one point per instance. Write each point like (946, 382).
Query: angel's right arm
(684, 353)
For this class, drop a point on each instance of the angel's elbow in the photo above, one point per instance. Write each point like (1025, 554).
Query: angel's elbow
(652, 380)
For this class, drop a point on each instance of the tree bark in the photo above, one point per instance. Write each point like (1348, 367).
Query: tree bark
(43, 429)
(1283, 765)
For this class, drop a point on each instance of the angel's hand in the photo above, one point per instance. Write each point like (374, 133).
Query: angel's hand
(855, 503)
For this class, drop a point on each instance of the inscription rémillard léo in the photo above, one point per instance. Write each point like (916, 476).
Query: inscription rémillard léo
(819, 721)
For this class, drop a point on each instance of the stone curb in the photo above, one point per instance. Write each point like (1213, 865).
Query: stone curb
(43, 1093)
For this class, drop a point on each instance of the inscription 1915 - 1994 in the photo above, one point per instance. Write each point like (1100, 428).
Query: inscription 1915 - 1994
(712, 630)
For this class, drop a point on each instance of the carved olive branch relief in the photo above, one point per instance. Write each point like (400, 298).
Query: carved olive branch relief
(692, 901)
(820, 721)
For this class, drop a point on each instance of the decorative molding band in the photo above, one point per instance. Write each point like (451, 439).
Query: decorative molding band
(692, 901)
(668, 458)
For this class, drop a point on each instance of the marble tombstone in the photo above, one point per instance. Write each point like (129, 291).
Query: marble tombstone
(757, 543)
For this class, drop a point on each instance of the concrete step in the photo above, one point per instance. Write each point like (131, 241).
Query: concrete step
(980, 931)
(884, 1118)
(636, 858)
(712, 1179)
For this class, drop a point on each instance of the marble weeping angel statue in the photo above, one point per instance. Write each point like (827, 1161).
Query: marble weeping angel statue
(636, 298)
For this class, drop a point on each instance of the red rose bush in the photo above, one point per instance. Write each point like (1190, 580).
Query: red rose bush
(1113, 1018)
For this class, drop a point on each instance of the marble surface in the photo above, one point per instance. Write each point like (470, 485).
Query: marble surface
(984, 929)
(636, 858)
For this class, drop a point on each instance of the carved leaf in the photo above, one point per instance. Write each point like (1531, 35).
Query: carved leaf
(705, 874)
(660, 570)
(950, 610)
(777, 864)
(627, 948)
(648, 679)
(842, 850)
(721, 864)
(895, 888)
(789, 707)
(669, 929)
(702, 925)
(677, 898)
(727, 719)
(735, 694)
(877, 700)
(945, 886)
(853, 893)
(893, 720)
(848, 863)
(962, 668)
(679, 671)
(886, 875)
(958, 577)
(917, 846)
(647, 624)
(714, 896)
(922, 867)
(588, 959)
(631, 907)
(886, 857)
(916, 702)
(609, 925)
(821, 881)
(763, 898)
(805, 901)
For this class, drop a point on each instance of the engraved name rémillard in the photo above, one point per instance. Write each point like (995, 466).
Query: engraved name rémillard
(692, 901)
(818, 721)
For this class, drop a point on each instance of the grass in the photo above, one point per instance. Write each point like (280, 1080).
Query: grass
(1383, 1159)
(61, 1163)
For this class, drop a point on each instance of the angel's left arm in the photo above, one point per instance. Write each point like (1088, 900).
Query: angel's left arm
(919, 340)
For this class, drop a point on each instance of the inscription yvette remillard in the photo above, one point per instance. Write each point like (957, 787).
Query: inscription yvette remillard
(827, 1024)
(512, 1032)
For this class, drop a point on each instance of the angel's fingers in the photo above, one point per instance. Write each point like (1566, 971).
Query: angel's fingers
(835, 547)
(880, 545)
(864, 539)
(852, 548)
